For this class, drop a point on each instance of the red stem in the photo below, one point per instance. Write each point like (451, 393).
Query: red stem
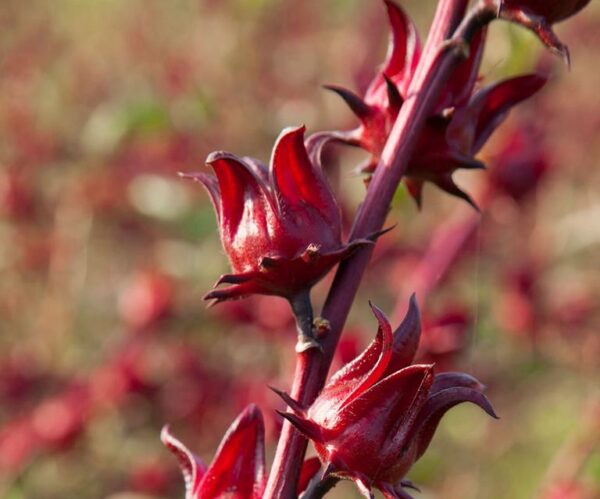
(447, 17)
(312, 366)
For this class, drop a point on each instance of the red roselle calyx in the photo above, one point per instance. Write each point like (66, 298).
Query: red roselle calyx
(280, 226)
(378, 414)
(238, 469)
(552, 10)
(459, 126)
(539, 15)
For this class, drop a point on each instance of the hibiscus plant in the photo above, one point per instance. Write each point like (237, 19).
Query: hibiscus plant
(421, 118)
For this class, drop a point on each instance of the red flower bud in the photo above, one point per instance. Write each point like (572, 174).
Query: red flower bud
(539, 15)
(377, 415)
(460, 125)
(238, 469)
(280, 226)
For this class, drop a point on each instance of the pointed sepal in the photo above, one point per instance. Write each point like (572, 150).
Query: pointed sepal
(472, 125)
(237, 182)
(447, 184)
(359, 107)
(192, 467)
(290, 402)
(357, 376)
(239, 464)
(539, 16)
(211, 185)
(438, 404)
(305, 426)
(364, 486)
(404, 51)
(297, 182)
(406, 338)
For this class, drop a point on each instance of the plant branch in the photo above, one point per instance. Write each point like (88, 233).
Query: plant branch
(394, 161)
(447, 17)
(312, 366)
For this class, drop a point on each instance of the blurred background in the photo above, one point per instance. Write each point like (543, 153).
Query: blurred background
(105, 253)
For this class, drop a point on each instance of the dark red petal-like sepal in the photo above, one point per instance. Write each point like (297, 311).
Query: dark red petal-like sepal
(406, 338)
(397, 391)
(438, 404)
(459, 87)
(192, 467)
(539, 15)
(375, 417)
(238, 469)
(237, 184)
(453, 380)
(357, 376)
(280, 225)
(493, 103)
(402, 57)
(297, 183)
(211, 185)
(239, 464)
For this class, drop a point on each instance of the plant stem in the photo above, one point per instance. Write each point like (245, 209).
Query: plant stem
(320, 488)
(312, 366)
(303, 312)
(291, 447)
(447, 17)
(395, 157)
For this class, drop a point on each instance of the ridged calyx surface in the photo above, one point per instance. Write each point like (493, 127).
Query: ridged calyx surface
(377, 414)
(279, 225)
(461, 122)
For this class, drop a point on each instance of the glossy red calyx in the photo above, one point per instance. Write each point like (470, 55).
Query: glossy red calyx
(460, 124)
(539, 15)
(279, 225)
(551, 10)
(238, 468)
(378, 414)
